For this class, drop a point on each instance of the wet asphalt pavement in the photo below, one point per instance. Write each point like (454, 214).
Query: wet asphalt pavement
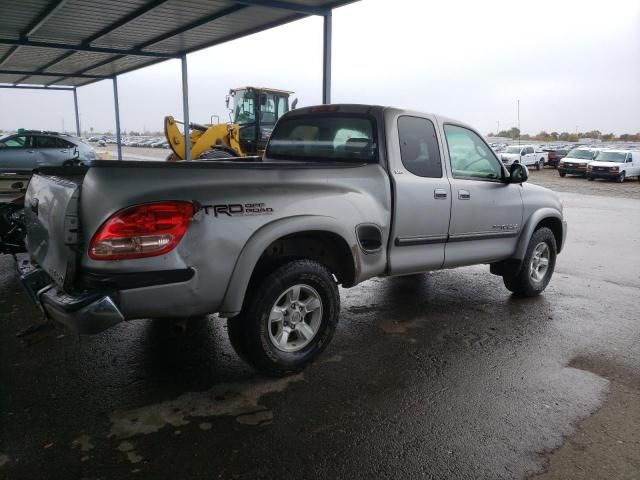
(442, 375)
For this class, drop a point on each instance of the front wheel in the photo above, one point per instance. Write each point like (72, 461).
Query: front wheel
(621, 178)
(288, 319)
(562, 174)
(537, 267)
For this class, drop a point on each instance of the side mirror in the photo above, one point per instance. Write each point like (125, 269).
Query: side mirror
(294, 103)
(226, 100)
(519, 173)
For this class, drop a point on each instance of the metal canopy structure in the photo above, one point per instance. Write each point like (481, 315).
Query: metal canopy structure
(66, 44)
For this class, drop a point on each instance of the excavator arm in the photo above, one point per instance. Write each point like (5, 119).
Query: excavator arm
(203, 138)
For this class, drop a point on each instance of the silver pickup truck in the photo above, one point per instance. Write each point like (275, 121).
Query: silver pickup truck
(344, 193)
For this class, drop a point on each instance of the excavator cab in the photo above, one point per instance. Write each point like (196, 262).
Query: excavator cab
(255, 112)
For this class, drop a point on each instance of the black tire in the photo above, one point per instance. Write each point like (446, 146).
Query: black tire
(216, 154)
(621, 178)
(520, 282)
(562, 174)
(540, 165)
(249, 332)
(590, 178)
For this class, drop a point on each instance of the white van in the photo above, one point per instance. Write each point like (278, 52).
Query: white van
(615, 164)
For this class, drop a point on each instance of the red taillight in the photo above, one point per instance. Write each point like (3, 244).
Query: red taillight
(142, 231)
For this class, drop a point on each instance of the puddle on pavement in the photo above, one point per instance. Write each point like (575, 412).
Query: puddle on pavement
(83, 442)
(240, 400)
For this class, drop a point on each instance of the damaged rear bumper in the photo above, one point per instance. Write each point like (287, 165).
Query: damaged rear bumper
(86, 313)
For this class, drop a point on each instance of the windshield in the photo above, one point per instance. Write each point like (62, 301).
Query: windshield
(324, 137)
(513, 150)
(581, 154)
(617, 157)
(244, 107)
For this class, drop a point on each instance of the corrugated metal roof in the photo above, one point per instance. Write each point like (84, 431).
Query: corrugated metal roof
(76, 42)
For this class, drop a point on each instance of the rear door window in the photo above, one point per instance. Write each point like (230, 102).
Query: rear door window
(45, 142)
(419, 147)
(60, 143)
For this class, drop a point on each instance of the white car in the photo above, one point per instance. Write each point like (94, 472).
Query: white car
(577, 161)
(524, 154)
(615, 164)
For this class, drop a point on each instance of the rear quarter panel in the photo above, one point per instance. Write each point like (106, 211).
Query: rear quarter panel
(339, 198)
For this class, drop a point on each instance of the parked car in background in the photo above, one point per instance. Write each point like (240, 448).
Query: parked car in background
(576, 161)
(554, 155)
(524, 154)
(615, 165)
(24, 151)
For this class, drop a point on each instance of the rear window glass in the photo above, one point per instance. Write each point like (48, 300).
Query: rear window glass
(324, 137)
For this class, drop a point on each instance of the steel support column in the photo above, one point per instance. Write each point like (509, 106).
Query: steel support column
(185, 108)
(75, 105)
(117, 109)
(326, 60)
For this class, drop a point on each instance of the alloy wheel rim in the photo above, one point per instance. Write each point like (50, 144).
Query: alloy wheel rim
(539, 264)
(295, 318)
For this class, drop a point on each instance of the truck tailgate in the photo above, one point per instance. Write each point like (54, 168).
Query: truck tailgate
(51, 214)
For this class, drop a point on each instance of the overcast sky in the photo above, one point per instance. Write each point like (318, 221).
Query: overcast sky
(573, 65)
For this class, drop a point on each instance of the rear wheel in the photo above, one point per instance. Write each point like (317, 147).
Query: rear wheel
(540, 165)
(562, 174)
(537, 267)
(287, 320)
(590, 177)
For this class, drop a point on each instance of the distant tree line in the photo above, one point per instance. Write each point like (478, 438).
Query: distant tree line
(545, 136)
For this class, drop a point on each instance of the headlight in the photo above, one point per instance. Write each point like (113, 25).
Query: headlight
(561, 205)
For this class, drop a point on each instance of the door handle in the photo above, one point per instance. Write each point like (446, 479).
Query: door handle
(64, 151)
(29, 151)
(464, 195)
(440, 194)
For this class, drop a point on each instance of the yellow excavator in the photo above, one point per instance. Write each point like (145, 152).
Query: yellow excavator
(253, 116)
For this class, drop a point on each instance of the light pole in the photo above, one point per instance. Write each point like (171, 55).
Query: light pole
(518, 122)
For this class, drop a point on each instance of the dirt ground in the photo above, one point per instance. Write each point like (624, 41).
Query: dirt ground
(549, 178)
(606, 444)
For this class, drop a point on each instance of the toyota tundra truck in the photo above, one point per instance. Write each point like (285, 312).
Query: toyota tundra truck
(343, 193)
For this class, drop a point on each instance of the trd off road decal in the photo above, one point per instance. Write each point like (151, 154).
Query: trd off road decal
(237, 209)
